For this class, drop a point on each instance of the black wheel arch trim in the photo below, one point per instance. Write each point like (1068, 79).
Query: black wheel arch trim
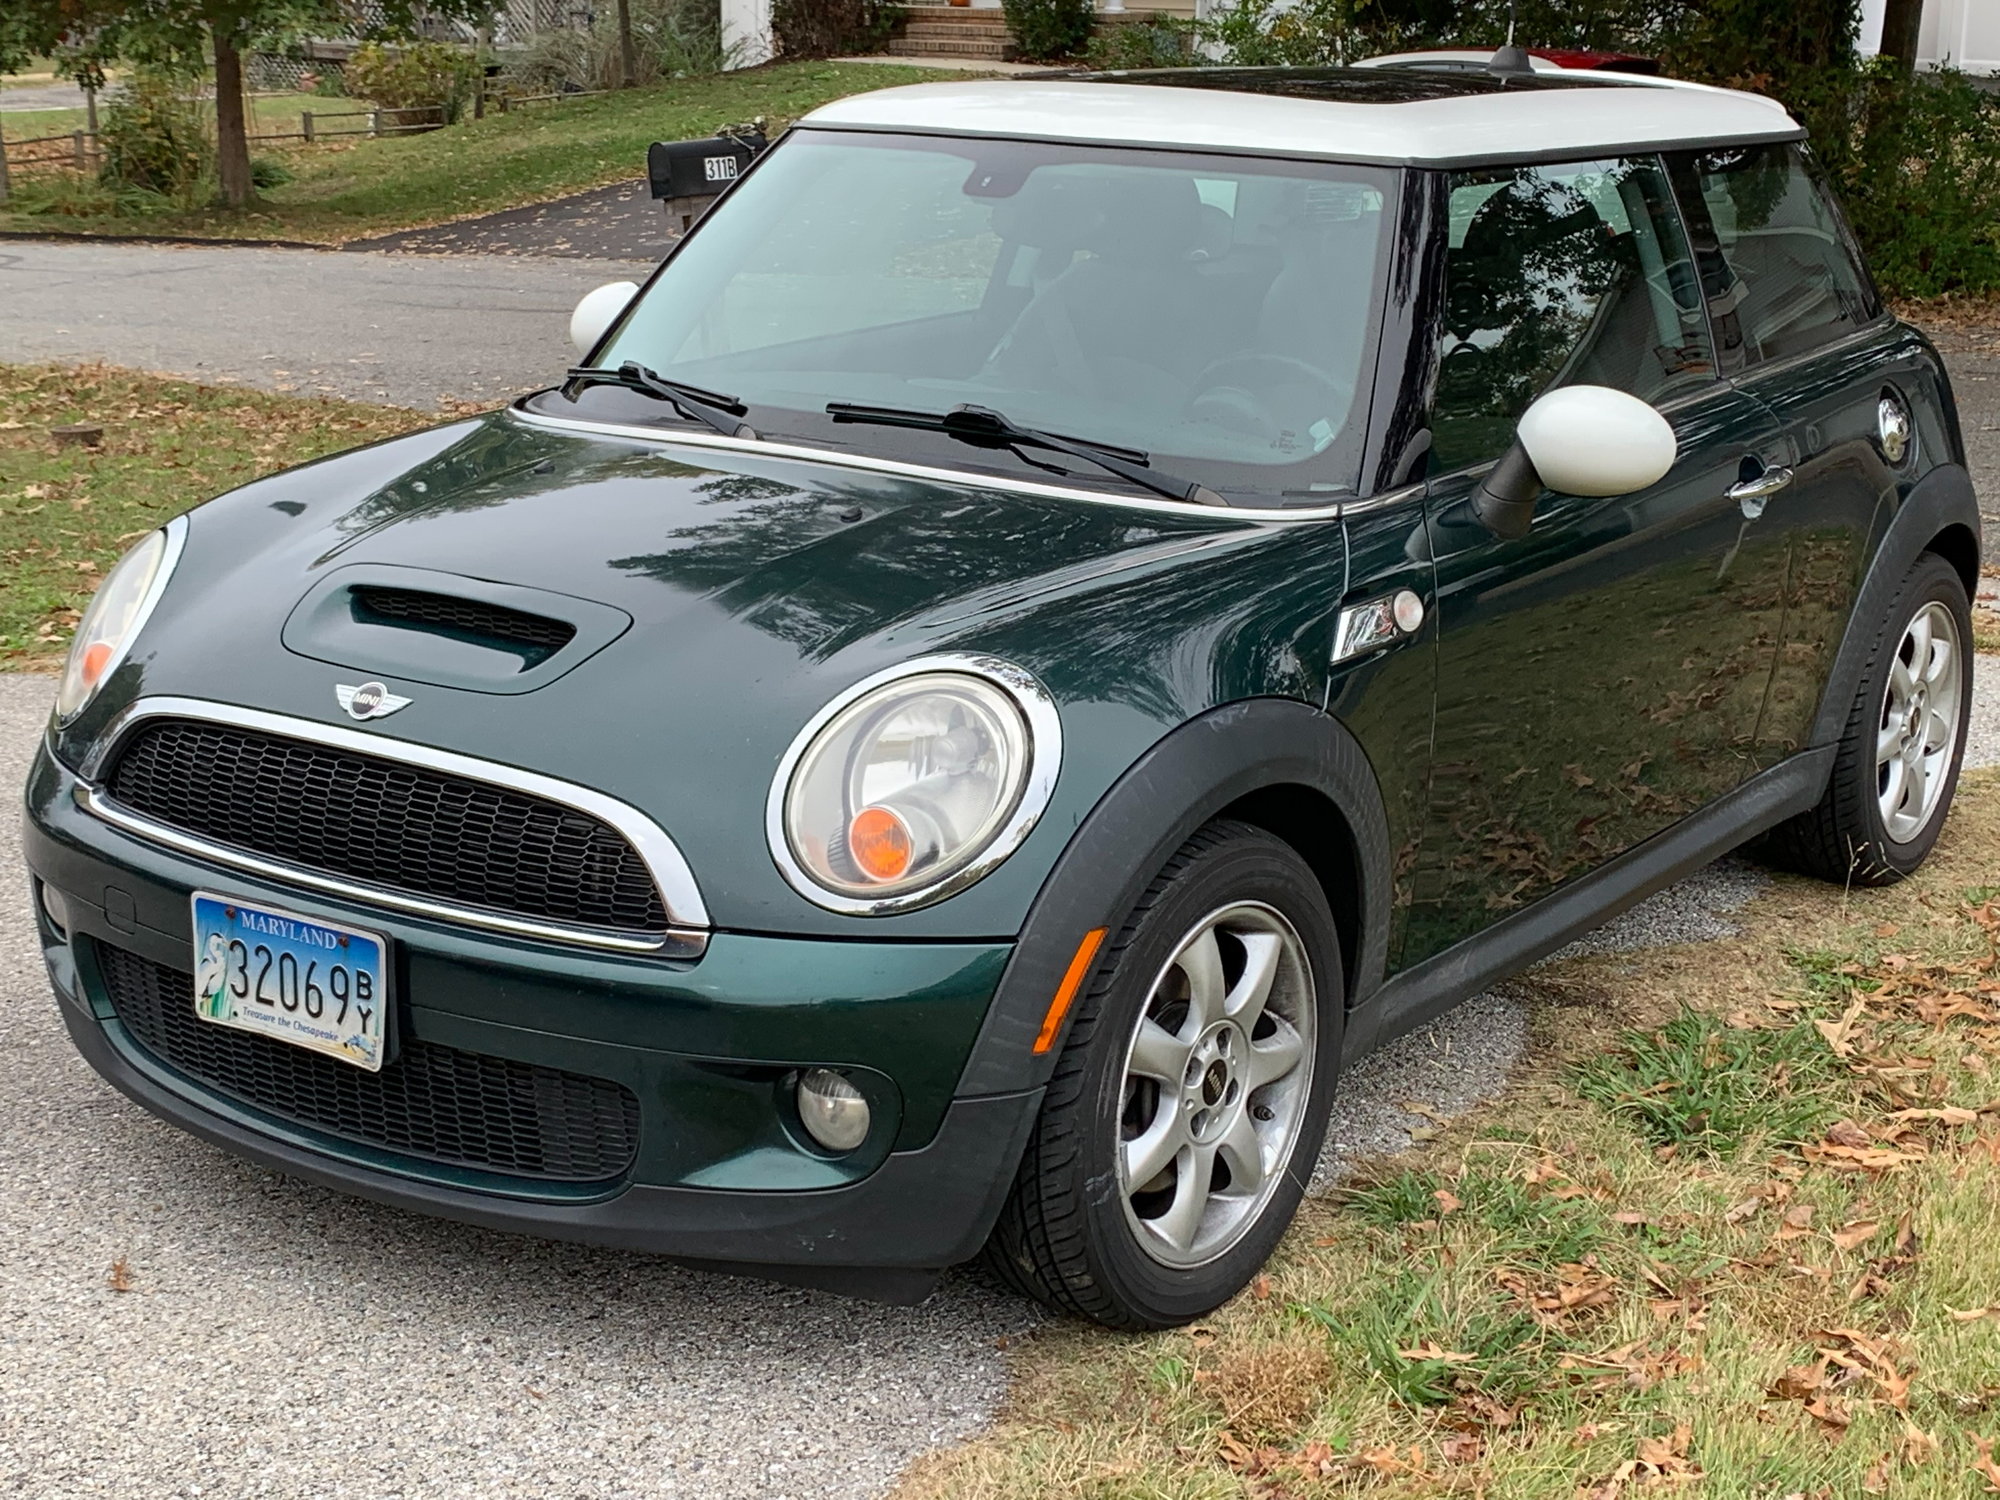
(1189, 777)
(1938, 502)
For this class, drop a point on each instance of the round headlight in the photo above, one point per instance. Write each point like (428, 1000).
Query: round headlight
(913, 784)
(115, 616)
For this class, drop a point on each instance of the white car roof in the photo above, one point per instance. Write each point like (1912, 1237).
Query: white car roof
(1397, 117)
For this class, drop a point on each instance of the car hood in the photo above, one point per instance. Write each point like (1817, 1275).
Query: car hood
(734, 594)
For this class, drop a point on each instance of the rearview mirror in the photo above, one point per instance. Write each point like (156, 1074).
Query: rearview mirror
(1580, 440)
(598, 311)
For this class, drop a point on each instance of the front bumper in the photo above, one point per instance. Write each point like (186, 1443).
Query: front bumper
(719, 1171)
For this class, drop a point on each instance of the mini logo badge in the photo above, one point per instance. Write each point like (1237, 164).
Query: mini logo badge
(371, 700)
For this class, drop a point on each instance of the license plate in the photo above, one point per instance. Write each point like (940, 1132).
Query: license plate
(293, 978)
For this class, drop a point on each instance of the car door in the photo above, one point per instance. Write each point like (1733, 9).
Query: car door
(1799, 326)
(1601, 677)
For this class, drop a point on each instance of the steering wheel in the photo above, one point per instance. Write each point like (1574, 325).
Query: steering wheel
(1237, 393)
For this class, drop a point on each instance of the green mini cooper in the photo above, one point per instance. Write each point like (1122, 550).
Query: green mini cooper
(1065, 611)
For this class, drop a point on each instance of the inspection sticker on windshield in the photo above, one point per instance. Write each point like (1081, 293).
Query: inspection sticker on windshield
(292, 978)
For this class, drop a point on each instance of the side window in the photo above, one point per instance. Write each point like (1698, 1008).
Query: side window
(1577, 274)
(1794, 281)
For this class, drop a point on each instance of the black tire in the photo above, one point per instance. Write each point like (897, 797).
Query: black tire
(1065, 1236)
(1845, 839)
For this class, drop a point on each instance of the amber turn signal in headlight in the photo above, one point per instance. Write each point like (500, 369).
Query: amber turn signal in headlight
(914, 783)
(116, 615)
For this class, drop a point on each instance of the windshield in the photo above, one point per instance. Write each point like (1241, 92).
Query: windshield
(1215, 312)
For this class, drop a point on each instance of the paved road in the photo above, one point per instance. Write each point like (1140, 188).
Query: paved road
(400, 329)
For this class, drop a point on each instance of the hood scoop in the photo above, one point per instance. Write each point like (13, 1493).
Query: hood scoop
(418, 625)
(534, 638)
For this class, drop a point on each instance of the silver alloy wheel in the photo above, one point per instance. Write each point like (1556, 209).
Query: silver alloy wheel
(1918, 732)
(1217, 1075)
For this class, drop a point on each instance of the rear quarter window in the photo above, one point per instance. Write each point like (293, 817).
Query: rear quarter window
(1794, 281)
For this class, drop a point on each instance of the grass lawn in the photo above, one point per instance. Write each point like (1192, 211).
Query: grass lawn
(538, 152)
(1735, 1231)
(67, 513)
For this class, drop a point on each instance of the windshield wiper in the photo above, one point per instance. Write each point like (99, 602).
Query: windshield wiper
(985, 428)
(724, 413)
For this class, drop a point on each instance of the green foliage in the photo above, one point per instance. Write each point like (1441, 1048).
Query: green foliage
(1497, 1350)
(154, 134)
(1923, 184)
(1153, 41)
(267, 172)
(831, 28)
(428, 76)
(1049, 30)
(672, 39)
(1707, 1087)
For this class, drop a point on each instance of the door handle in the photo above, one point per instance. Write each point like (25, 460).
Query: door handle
(1763, 486)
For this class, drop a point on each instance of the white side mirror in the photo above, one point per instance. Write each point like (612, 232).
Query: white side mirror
(598, 311)
(1592, 440)
(1580, 440)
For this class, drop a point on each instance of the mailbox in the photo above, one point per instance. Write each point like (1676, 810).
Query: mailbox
(687, 176)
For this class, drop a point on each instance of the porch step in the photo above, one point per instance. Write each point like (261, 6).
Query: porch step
(949, 31)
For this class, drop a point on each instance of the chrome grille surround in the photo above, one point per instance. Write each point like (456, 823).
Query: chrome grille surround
(687, 916)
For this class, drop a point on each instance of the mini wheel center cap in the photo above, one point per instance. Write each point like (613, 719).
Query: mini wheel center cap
(1214, 1083)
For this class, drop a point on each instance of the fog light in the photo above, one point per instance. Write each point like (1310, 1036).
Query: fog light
(832, 1109)
(54, 907)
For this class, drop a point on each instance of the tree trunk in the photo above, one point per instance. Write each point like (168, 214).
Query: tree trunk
(4, 190)
(232, 144)
(628, 54)
(1902, 21)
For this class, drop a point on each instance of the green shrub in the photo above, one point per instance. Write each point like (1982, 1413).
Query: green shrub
(429, 76)
(267, 172)
(1153, 41)
(154, 133)
(831, 28)
(1048, 30)
(1922, 186)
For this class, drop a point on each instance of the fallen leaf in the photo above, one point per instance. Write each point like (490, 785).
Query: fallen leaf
(1737, 1212)
(120, 1278)
(1430, 1350)
(1950, 1115)
(1973, 1314)
(1860, 1232)
(1798, 1382)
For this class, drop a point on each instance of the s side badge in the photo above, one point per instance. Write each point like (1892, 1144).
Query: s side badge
(371, 700)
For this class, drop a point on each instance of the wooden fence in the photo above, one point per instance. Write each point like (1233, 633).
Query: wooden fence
(79, 150)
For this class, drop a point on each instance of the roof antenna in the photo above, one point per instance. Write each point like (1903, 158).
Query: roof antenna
(1511, 61)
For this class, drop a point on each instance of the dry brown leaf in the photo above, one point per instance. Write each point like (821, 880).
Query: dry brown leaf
(1949, 1115)
(1430, 1350)
(1973, 1314)
(1798, 1382)
(120, 1278)
(1859, 1232)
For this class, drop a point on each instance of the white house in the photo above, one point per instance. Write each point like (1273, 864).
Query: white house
(1961, 33)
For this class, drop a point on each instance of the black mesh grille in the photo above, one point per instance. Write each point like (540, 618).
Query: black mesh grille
(433, 1102)
(535, 637)
(393, 825)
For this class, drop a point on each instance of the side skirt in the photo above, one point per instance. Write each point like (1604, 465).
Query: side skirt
(1420, 995)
